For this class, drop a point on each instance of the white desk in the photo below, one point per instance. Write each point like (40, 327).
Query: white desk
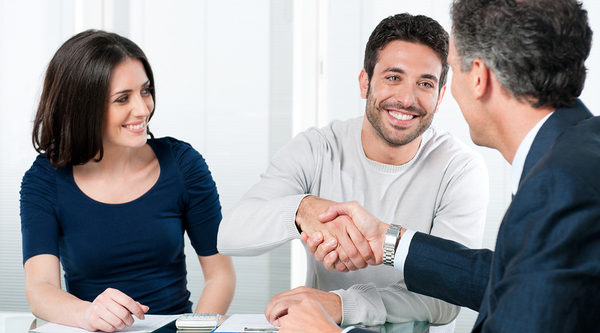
(15, 322)
(20, 322)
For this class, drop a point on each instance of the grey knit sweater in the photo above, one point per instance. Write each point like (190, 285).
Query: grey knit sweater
(443, 191)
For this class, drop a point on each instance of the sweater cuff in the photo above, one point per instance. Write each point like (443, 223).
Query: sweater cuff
(362, 304)
(348, 307)
(289, 214)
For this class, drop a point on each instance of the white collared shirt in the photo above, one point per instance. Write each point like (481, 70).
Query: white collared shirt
(515, 177)
(522, 152)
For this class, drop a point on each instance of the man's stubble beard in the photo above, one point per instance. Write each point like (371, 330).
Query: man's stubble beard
(375, 117)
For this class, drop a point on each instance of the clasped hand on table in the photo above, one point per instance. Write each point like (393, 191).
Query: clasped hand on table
(112, 310)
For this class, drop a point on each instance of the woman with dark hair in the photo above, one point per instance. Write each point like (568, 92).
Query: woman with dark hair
(110, 204)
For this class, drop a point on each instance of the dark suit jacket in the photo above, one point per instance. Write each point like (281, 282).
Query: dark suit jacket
(544, 275)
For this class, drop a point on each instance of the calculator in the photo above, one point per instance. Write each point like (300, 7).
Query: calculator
(198, 322)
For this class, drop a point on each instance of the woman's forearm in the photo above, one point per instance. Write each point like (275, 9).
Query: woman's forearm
(219, 284)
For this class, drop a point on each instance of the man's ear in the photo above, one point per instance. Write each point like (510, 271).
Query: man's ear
(480, 75)
(363, 82)
(440, 97)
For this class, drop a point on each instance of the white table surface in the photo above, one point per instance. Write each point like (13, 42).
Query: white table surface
(15, 322)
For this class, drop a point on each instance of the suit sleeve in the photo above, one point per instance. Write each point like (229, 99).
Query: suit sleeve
(442, 265)
(460, 216)
(447, 270)
(265, 218)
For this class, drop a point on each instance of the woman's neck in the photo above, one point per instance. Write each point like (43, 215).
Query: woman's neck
(121, 176)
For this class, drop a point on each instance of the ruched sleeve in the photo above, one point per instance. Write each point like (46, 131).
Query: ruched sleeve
(39, 225)
(202, 211)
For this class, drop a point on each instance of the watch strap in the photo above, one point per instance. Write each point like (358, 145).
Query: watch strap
(390, 243)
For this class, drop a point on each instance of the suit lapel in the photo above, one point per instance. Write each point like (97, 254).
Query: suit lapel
(480, 317)
(560, 120)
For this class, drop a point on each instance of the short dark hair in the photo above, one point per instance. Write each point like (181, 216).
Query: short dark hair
(69, 118)
(417, 29)
(536, 48)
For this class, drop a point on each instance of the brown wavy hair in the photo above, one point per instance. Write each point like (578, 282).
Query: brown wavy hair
(69, 119)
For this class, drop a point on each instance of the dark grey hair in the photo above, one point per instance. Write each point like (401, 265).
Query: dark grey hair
(536, 48)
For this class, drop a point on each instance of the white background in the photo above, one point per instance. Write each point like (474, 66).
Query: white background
(236, 79)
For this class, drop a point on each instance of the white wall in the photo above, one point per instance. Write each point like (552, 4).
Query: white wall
(236, 79)
(212, 65)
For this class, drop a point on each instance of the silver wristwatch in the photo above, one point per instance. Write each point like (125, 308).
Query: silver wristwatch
(391, 242)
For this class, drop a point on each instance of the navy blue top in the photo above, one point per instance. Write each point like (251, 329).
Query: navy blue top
(135, 247)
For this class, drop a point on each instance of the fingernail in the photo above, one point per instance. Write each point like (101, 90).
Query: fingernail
(371, 262)
(331, 242)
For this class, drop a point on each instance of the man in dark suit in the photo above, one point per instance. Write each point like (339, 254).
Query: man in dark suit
(518, 68)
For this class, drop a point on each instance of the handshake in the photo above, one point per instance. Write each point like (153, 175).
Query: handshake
(345, 237)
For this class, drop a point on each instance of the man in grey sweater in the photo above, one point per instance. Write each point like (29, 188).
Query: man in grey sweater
(392, 161)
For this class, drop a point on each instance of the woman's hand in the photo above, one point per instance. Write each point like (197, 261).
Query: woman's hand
(112, 310)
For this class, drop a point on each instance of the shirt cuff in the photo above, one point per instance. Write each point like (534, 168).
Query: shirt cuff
(402, 250)
(347, 329)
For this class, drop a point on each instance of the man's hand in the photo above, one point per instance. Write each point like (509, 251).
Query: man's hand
(324, 251)
(371, 228)
(352, 249)
(307, 317)
(280, 304)
(112, 311)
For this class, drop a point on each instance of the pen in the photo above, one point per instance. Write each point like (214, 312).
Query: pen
(261, 329)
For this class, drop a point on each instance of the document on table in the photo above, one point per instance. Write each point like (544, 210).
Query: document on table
(246, 323)
(151, 323)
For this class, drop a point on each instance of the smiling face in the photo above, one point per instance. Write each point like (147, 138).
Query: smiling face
(129, 107)
(404, 93)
